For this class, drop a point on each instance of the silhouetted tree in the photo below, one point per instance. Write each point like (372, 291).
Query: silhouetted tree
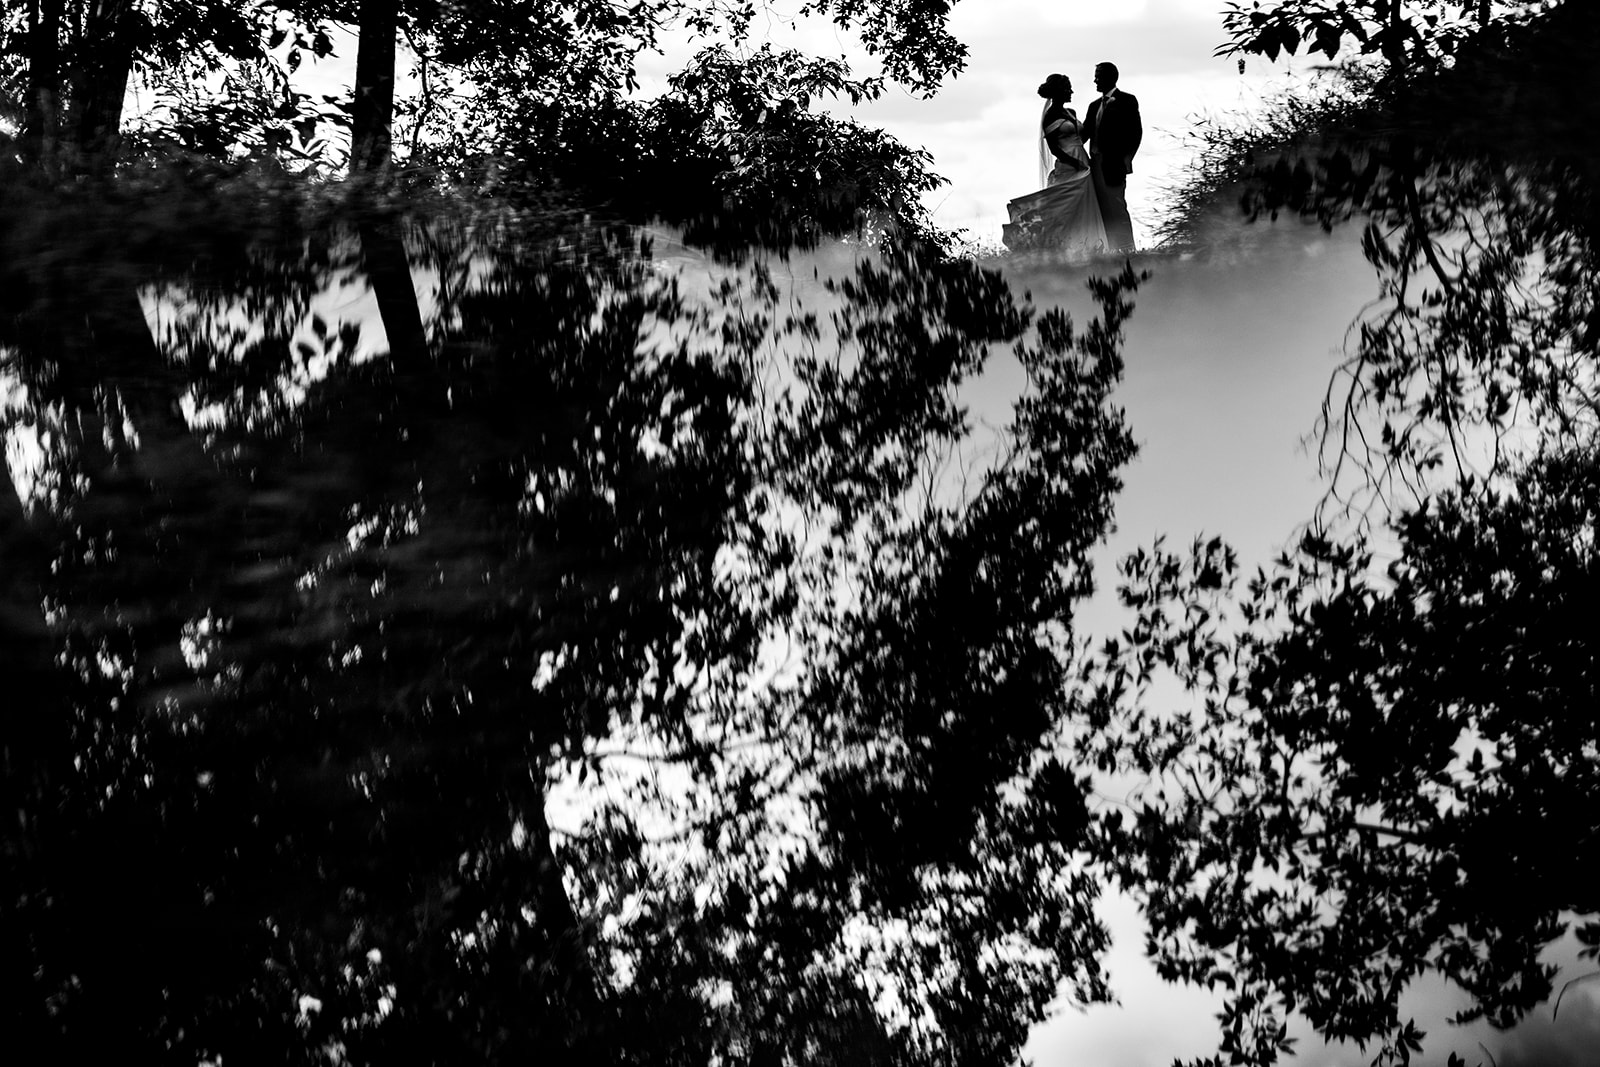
(1411, 36)
(1378, 771)
(357, 654)
(67, 66)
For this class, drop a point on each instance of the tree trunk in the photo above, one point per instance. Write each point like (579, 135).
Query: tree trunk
(42, 108)
(24, 638)
(1394, 47)
(101, 82)
(389, 273)
(31, 743)
(372, 110)
(568, 949)
(371, 133)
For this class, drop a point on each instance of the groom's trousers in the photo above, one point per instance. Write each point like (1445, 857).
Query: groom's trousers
(1113, 207)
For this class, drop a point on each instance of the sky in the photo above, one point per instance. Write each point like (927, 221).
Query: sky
(982, 127)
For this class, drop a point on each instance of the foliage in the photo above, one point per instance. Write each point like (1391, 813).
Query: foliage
(738, 135)
(248, 106)
(1412, 36)
(1480, 345)
(737, 152)
(1379, 768)
(513, 97)
(430, 703)
(424, 699)
(67, 66)
(1380, 771)
(1232, 155)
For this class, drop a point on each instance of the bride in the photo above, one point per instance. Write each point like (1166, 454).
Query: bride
(1064, 216)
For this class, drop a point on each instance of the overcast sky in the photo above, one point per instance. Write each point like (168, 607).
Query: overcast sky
(982, 128)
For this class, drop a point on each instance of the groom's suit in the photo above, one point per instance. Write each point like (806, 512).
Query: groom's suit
(1113, 130)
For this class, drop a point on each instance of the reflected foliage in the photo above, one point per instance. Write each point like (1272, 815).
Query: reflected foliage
(1392, 729)
(614, 670)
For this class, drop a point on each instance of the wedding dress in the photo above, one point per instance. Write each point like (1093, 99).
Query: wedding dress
(1064, 216)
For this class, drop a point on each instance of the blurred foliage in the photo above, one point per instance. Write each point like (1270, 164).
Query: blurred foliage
(424, 698)
(363, 540)
(514, 98)
(1381, 769)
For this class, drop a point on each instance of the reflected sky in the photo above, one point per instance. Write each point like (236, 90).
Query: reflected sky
(1228, 356)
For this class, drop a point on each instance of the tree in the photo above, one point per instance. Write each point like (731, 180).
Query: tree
(1411, 36)
(334, 633)
(68, 65)
(326, 701)
(1479, 229)
(1351, 797)
(520, 97)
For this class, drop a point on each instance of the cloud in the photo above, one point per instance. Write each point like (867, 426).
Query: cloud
(1174, 36)
(981, 128)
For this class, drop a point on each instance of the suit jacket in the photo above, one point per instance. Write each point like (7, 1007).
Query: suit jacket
(1114, 137)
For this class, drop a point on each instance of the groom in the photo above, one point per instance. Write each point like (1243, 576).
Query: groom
(1114, 131)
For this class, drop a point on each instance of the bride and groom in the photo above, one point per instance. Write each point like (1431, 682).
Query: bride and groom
(1083, 208)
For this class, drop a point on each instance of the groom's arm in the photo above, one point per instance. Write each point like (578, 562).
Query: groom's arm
(1135, 133)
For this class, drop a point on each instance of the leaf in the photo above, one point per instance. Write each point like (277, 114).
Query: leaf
(1328, 39)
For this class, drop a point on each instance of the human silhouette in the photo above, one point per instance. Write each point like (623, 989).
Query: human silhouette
(1064, 215)
(1113, 129)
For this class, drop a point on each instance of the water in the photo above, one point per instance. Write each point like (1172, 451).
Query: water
(406, 595)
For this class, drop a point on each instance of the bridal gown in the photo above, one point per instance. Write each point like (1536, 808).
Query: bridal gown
(1063, 217)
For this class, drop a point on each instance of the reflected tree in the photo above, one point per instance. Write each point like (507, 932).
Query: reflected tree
(1379, 771)
(626, 674)
(586, 669)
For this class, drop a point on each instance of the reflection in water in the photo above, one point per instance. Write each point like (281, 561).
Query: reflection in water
(447, 635)
(584, 666)
(1385, 775)
(1223, 401)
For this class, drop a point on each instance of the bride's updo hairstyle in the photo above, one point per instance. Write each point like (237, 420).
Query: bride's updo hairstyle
(1056, 87)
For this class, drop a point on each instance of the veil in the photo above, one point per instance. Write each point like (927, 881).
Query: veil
(1047, 161)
